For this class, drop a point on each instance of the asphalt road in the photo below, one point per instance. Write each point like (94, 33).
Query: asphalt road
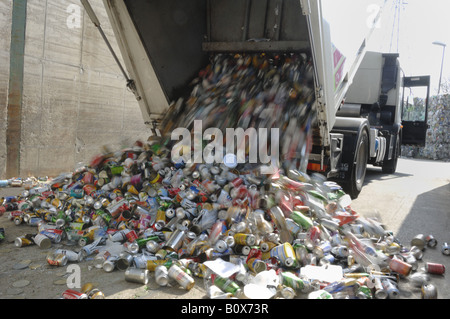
(414, 200)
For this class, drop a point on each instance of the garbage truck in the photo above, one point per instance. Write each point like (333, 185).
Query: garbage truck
(358, 94)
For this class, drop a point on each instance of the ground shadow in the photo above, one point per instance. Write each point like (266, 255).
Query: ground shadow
(435, 221)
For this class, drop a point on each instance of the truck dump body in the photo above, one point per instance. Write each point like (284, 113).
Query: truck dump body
(167, 44)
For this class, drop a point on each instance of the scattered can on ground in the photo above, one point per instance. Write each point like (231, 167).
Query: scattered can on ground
(73, 294)
(429, 291)
(431, 241)
(181, 277)
(445, 249)
(137, 275)
(24, 241)
(435, 268)
(419, 241)
(57, 259)
(161, 275)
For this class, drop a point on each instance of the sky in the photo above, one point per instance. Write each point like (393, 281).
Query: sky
(407, 27)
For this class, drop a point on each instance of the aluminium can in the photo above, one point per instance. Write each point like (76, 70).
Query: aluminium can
(125, 261)
(42, 241)
(140, 261)
(244, 239)
(137, 275)
(110, 264)
(220, 246)
(152, 264)
(419, 241)
(73, 294)
(391, 289)
(71, 255)
(152, 246)
(162, 275)
(175, 240)
(256, 265)
(23, 241)
(445, 249)
(181, 277)
(96, 294)
(400, 267)
(434, 268)
(57, 259)
(431, 241)
(380, 292)
(429, 291)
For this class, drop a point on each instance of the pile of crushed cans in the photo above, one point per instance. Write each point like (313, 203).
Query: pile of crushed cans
(247, 235)
(281, 236)
(437, 144)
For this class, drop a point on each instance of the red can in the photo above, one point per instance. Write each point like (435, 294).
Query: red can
(73, 294)
(314, 233)
(400, 267)
(437, 269)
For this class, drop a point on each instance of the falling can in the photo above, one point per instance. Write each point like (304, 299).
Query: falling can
(400, 267)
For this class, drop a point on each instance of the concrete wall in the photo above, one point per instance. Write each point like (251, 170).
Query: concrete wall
(5, 41)
(75, 98)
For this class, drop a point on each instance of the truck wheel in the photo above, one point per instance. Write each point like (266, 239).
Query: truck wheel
(359, 166)
(389, 167)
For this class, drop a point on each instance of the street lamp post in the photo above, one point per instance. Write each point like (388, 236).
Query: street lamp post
(442, 63)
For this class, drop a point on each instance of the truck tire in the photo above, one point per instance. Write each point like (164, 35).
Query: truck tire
(390, 166)
(359, 166)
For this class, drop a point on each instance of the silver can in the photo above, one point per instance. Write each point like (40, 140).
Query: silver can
(175, 240)
(416, 252)
(42, 241)
(71, 255)
(220, 246)
(162, 275)
(152, 246)
(110, 264)
(419, 241)
(181, 277)
(125, 261)
(137, 275)
(445, 249)
(429, 291)
(140, 261)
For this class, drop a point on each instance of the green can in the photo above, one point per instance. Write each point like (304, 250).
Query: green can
(106, 217)
(364, 292)
(2, 234)
(293, 281)
(116, 170)
(301, 219)
(143, 241)
(226, 284)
